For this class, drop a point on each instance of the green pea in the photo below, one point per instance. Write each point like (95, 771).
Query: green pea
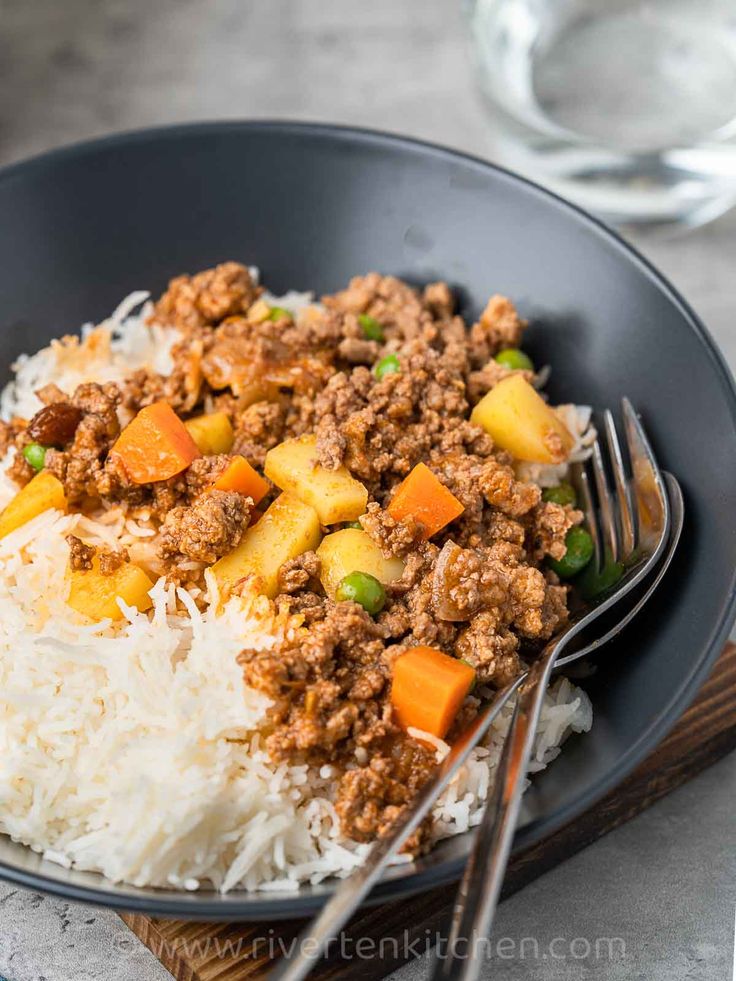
(35, 454)
(278, 313)
(579, 553)
(360, 587)
(386, 366)
(562, 494)
(372, 329)
(593, 583)
(354, 524)
(515, 359)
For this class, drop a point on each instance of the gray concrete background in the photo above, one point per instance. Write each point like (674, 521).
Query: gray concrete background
(664, 886)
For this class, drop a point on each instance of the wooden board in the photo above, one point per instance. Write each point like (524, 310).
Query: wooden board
(236, 952)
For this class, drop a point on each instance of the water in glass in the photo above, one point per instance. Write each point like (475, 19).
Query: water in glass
(628, 107)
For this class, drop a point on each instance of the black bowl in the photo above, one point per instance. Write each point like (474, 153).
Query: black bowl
(314, 205)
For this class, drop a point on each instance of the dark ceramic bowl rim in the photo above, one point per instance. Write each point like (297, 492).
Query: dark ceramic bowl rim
(295, 904)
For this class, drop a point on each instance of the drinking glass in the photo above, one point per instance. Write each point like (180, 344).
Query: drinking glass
(627, 107)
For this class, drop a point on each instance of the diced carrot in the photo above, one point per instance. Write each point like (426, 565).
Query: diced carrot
(155, 445)
(240, 476)
(428, 688)
(423, 497)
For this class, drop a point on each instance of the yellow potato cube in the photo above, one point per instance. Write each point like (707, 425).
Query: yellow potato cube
(40, 494)
(211, 432)
(288, 528)
(258, 312)
(95, 595)
(520, 421)
(334, 494)
(352, 550)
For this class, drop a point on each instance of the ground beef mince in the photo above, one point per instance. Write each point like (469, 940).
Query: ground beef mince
(259, 428)
(299, 573)
(394, 537)
(493, 652)
(548, 527)
(329, 684)
(484, 379)
(207, 298)
(20, 470)
(439, 299)
(371, 797)
(80, 554)
(182, 389)
(502, 490)
(403, 312)
(499, 327)
(416, 414)
(111, 559)
(80, 462)
(209, 528)
(9, 433)
(478, 589)
(412, 617)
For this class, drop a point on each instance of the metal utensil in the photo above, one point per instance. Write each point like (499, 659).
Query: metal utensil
(677, 519)
(629, 541)
(348, 896)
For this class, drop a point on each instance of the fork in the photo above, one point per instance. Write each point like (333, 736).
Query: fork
(622, 543)
(641, 541)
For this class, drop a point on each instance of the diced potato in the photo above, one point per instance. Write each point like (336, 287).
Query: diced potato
(40, 494)
(334, 494)
(288, 528)
(211, 432)
(520, 421)
(352, 550)
(258, 312)
(95, 595)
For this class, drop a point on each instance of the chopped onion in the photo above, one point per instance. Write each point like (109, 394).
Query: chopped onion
(444, 580)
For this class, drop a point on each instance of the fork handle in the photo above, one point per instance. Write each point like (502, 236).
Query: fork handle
(312, 942)
(480, 887)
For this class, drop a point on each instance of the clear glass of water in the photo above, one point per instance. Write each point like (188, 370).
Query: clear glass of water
(626, 106)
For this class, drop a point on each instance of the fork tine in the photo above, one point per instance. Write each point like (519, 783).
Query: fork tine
(582, 483)
(652, 506)
(626, 519)
(605, 506)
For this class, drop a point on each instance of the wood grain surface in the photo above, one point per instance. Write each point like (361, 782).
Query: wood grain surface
(398, 931)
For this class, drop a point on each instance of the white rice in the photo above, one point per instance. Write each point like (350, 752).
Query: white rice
(131, 749)
(108, 352)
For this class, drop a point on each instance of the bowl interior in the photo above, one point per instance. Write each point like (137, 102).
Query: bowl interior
(313, 206)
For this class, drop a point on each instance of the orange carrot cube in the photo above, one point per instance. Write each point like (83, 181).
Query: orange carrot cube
(428, 688)
(155, 445)
(425, 498)
(240, 476)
